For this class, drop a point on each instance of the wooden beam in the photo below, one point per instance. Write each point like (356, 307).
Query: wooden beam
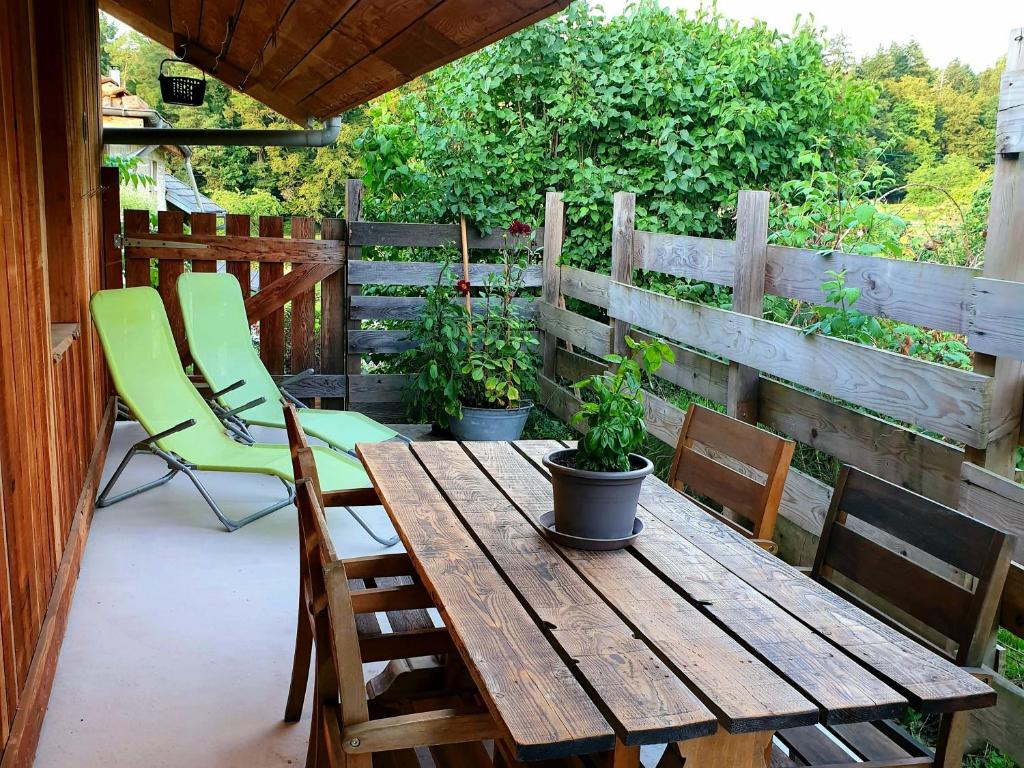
(236, 246)
(554, 221)
(442, 726)
(623, 226)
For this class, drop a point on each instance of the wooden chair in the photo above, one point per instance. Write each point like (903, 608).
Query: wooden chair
(733, 443)
(927, 570)
(416, 702)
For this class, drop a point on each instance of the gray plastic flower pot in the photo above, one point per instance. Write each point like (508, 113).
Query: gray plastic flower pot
(595, 505)
(491, 423)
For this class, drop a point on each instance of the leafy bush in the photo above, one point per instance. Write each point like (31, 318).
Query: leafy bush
(956, 175)
(683, 110)
(257, 203)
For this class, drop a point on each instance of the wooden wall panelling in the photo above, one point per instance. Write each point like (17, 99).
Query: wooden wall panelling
(29, 491)
(272, 327)
(303, 332)
(136, 268)
(1004, 260)
(112, 267)
(332, 313)
(748, 295)
(168, 271)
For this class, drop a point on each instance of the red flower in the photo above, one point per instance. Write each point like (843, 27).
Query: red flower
(518, 228)
(463, 287)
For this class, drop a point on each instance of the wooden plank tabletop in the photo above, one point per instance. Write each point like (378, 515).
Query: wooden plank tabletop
(691, 628)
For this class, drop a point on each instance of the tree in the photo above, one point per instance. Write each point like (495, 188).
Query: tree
(683, 110)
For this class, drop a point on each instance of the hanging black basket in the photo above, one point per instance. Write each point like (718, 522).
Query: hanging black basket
(176, 89)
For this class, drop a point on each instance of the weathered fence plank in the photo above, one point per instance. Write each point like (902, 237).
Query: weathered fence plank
(551, 292)
(236, 246)
(926, 294)
(590, 287)
(952, 402)
(424, 273)
(373, 341)
(332, 312)
(996, 319)
(411, 307)
(405, 235)
(303, 331)
(268, 305)
(581, 331)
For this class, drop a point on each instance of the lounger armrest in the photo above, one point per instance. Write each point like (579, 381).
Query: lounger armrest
(297, 377)
(168, 432)
(228, 388)
(247, 406)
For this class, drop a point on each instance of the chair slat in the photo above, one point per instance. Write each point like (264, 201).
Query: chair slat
(956, 539)
(754, 447)
(706, 477)
(940, 604)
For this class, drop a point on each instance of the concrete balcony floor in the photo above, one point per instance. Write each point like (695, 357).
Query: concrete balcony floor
(180, 637)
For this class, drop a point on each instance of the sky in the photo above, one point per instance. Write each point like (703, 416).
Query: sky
(975, 31)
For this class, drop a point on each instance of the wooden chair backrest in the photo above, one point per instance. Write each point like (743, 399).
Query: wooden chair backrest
(874, 528)
(999, 501)
(339, 668)
(739, 443)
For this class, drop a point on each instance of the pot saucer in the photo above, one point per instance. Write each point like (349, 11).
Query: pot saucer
(547, 521)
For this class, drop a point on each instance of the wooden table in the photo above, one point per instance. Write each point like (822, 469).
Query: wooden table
(693, 635)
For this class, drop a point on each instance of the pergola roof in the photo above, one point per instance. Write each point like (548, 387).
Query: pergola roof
(318, 58)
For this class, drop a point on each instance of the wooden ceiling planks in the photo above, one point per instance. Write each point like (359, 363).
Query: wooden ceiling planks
(317, 58)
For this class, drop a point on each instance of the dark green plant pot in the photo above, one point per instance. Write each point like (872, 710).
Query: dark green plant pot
(595, 505)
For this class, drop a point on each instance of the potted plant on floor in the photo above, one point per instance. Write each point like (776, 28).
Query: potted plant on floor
(597, 485)
(441, 337)
(499, 370)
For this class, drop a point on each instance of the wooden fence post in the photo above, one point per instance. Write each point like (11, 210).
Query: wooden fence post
(332, 313)
(1004, 260)
(272, 326)
(136, 271)
(303, 331)
(748, 294)
(551, 291)
(623, 225)
(204, 224)
(112, 275)
(353, 212)
(168, 271)
(238, 224)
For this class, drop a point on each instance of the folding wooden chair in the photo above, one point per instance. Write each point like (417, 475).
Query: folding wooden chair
(415, 702)
(717, 472)
(927, 570)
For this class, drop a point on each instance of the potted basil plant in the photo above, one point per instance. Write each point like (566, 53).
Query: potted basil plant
(597, 484)
(499, 369)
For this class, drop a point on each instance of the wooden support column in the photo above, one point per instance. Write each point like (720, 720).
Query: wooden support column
(332, 313)
(1004, 260)
(551, 291)
(748, 294)
(623, 226)
(272, 326)
(110, 253)
(353, 212)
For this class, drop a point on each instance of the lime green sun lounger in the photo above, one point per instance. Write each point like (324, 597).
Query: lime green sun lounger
(183, 431)
(218, 338)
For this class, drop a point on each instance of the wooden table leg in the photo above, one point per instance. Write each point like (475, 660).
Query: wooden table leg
(721, 750)
(621, 757)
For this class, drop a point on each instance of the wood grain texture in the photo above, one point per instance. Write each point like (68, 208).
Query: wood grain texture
(267, 304)
(927, 294)
(411, 307)
(423, 273)
(1010, 117)
(591, 335)
(743, 693)
(843, 690)
(952, 402)
(237, 225)
(204, 224)
(332, 313)
(641, 698)
(168, 271)
(623, 227)
(748, 295)
(551, 292)
(304, 347)
(996, 323)
(590, 287)
(520, 676)
(930, 683)
(136, 268)
(404, 235)
(236, 245)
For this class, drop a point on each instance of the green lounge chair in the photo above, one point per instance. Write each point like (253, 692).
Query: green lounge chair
(218, 337)
(183, 431)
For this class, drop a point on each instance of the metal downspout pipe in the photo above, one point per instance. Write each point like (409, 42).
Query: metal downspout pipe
(226, 137)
